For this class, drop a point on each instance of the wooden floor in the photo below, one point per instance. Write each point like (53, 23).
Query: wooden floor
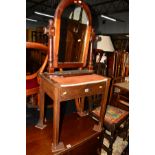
(74, 131)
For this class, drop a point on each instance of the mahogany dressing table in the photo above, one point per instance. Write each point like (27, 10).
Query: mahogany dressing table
(61, 88)
(61, 83)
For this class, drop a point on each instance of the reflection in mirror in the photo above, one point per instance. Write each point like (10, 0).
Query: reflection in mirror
(72, 34)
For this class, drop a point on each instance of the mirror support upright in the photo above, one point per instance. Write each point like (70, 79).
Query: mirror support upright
(50, 32)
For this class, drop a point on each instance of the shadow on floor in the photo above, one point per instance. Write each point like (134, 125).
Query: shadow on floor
(32, 114)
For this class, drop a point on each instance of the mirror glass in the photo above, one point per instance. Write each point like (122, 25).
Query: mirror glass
(72, 34)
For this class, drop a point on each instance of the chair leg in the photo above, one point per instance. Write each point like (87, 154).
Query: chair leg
(111, 141)
(100, 143)
(32, 102)
(38, 95)
(126, 130)
(111, 138)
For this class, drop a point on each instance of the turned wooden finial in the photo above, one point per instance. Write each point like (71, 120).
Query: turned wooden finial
(50, 32)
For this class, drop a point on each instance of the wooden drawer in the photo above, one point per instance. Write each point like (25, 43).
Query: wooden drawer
(72, 92)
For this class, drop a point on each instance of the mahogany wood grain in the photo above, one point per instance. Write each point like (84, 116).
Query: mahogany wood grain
(70, 88)
(54, 30)
(61, 89)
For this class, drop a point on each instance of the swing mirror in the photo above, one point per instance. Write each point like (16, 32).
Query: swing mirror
(72, 22)
(72, 34)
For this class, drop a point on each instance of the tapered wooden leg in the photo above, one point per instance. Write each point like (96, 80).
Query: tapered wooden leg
(104, 103)
(90, 102)
(56, 145)
(99, 127)
(79, 102)
(40, 123)
(38, 96)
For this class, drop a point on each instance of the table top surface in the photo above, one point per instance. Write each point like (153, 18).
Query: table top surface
(77, 80)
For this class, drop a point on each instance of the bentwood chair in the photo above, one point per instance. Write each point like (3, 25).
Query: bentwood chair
(37, 57)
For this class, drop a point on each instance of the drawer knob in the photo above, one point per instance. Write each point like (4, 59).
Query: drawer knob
(64, 93)
(100, 87)
(86, 90)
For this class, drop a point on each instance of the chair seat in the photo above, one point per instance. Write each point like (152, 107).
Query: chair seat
(32, 83)
(113, 115)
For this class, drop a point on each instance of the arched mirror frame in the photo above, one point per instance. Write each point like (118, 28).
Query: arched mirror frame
(56, 37)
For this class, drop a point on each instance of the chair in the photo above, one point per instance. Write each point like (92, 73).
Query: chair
(117, 68)
(39, 52)
(115, 122)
